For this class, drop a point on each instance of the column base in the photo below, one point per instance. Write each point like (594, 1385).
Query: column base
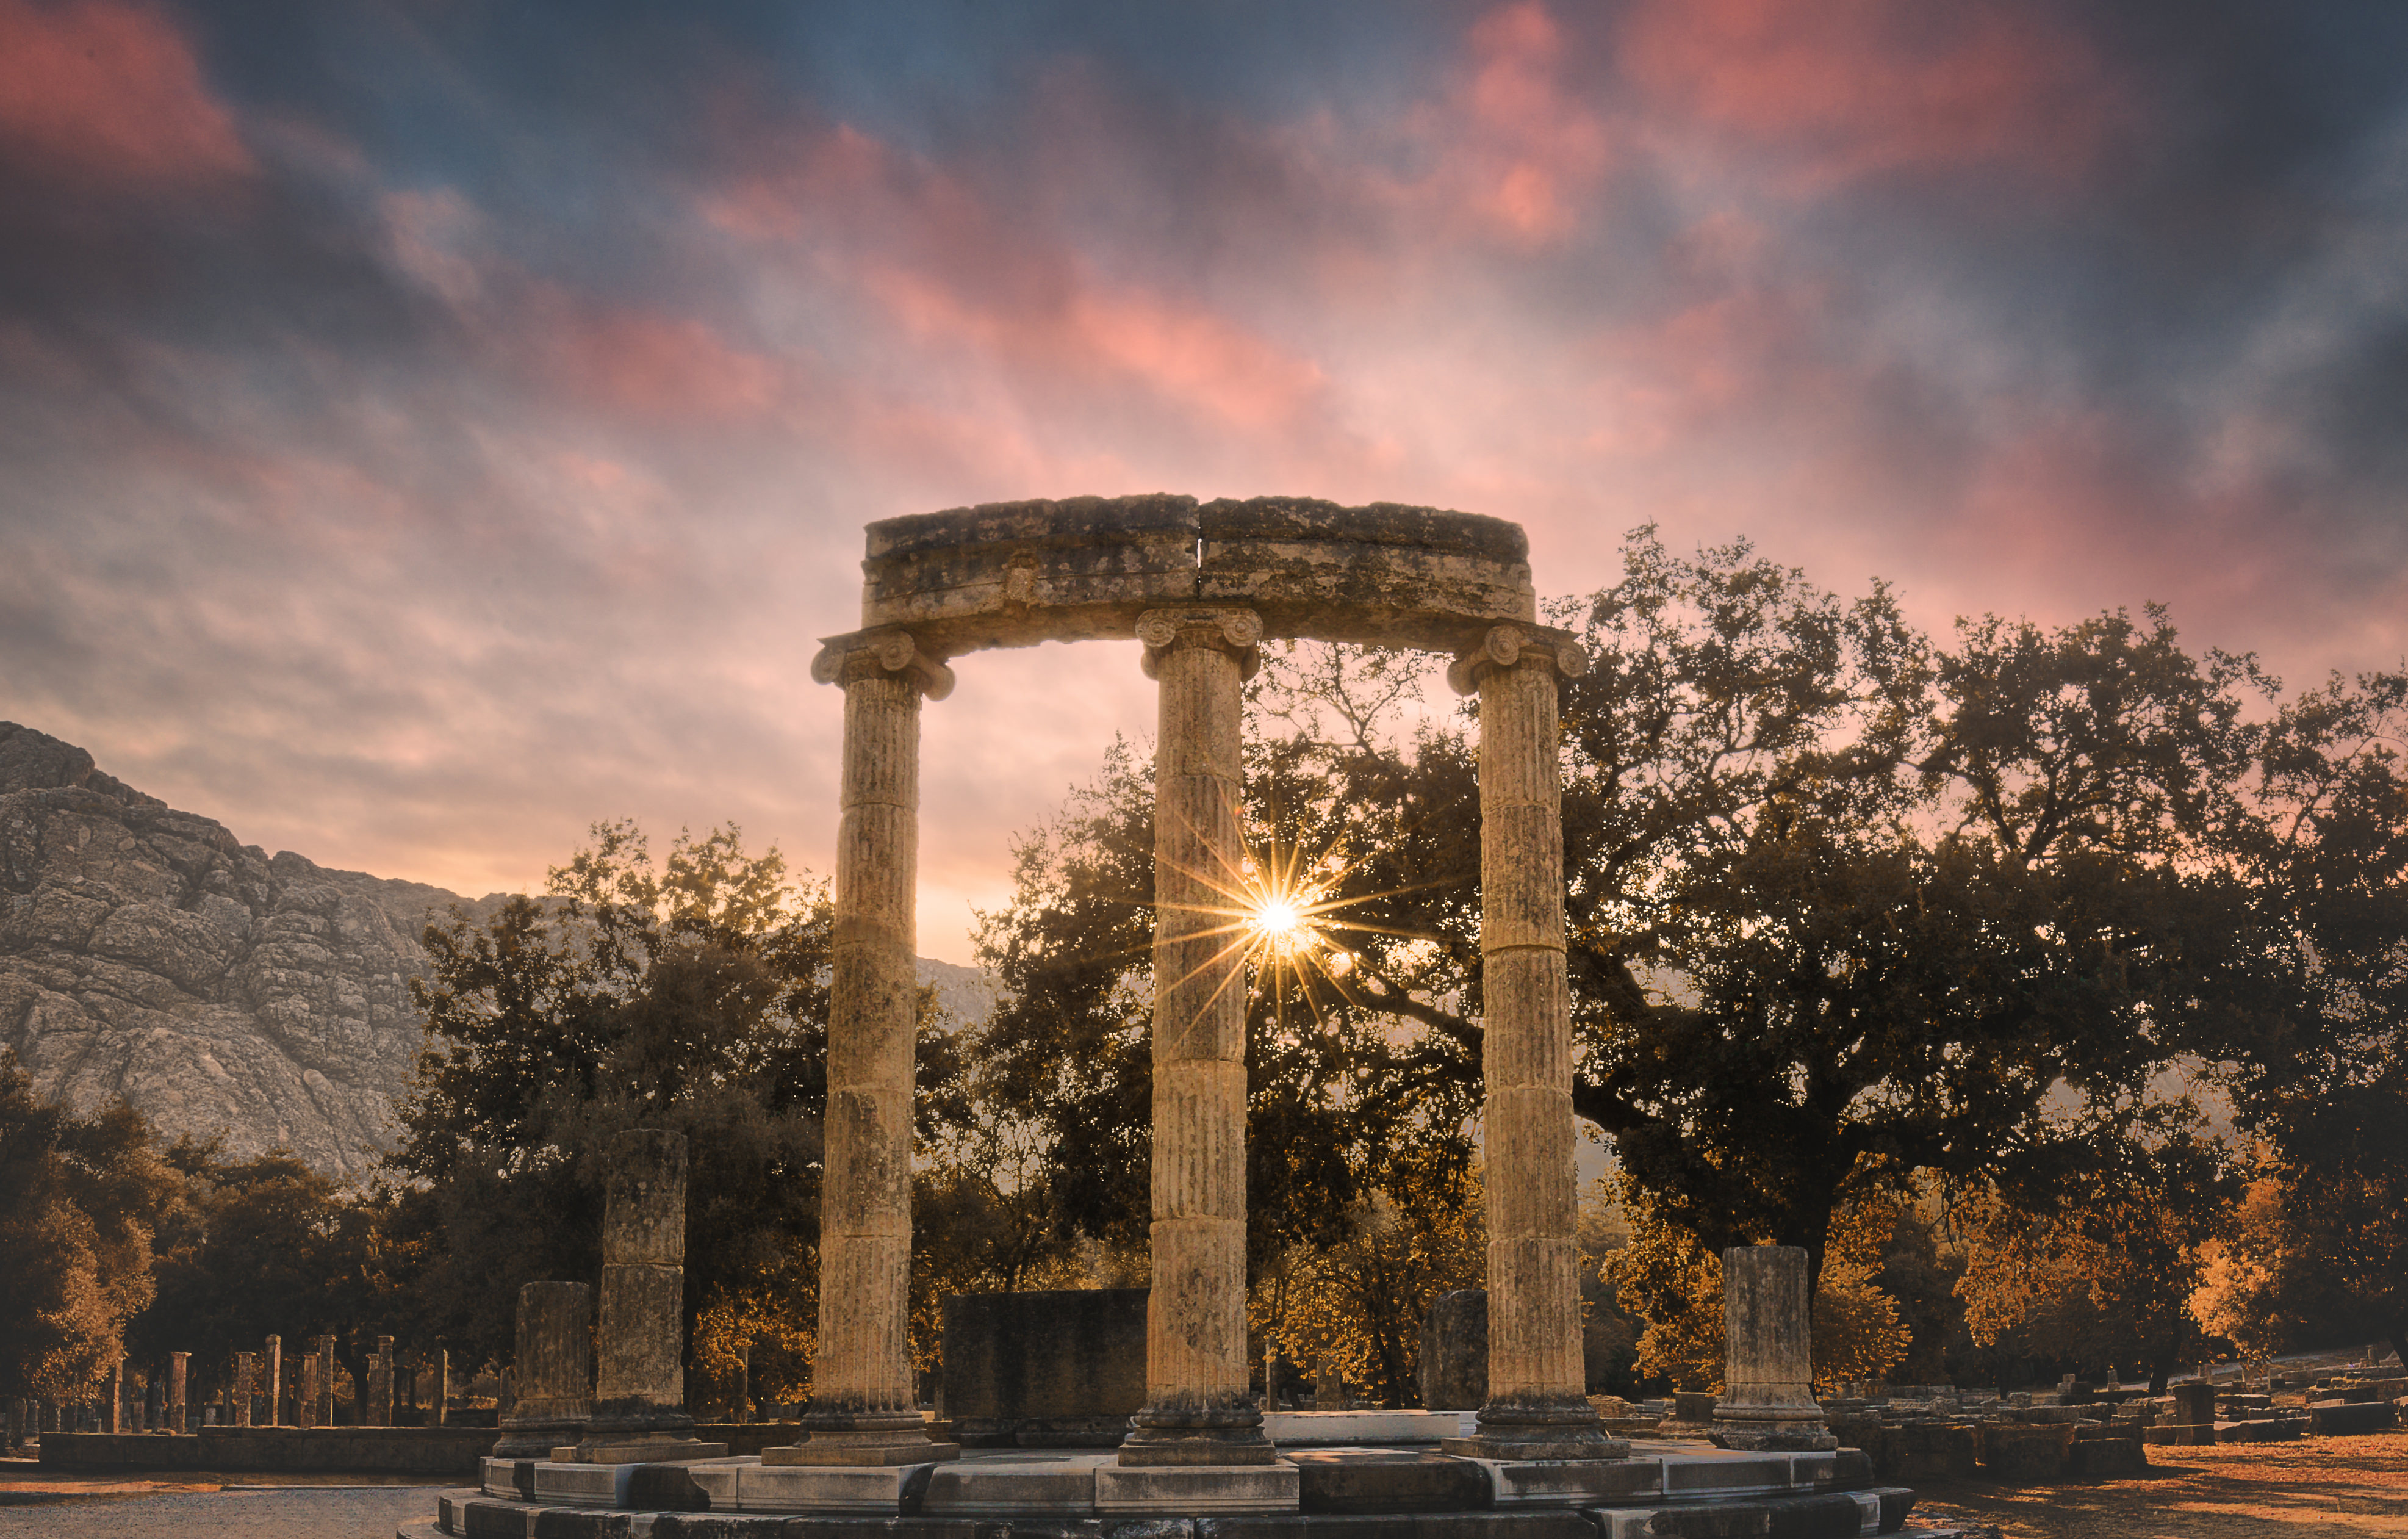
(631, 1432)
(1233, 1436)
(638, 1448)
(1542, 1431)
(535, 1439)
(863, 1439)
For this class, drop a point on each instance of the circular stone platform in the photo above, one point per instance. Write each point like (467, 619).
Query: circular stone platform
(1402, 1492)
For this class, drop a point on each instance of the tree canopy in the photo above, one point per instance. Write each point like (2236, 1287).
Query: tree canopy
(1849, 909)
(689, 994)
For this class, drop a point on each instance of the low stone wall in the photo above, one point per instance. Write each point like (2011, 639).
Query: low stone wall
(277, 1450)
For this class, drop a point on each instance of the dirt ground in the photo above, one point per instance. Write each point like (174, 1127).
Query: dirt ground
(2323, 1487)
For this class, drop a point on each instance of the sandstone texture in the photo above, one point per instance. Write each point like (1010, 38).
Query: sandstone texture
(147, 952)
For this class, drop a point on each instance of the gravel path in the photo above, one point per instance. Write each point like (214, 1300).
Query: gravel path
(289, 1512)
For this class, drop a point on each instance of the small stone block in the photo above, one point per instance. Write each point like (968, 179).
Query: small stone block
(1698, 1479)
(1192, 1489)
(583, 1484)
(1365, 1429)
(1054, 1486)
(498, 1476)
(685, 1487)
(1571, 1482)
(1489, 1447)
(861, 1454)
(1390, 1482)
(873, 1489)
(642, 1449)
(496, 1521)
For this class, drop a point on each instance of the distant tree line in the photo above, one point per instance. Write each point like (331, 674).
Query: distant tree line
(2045, 985)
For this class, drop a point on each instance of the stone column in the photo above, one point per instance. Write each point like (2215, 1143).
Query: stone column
(115, 1409)
(639, 1390)
(1767, 1354)
(179, 1363)
(1200, 1408)
(862, 1410)
(327, 1383)
(376, 1410)
(272, 1389)
(443, 1370)
(305, 1398)
(556, 1371)
(1538, 1403)
(245, 1376)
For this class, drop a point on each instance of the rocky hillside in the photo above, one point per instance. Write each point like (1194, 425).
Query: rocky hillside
(147, 952)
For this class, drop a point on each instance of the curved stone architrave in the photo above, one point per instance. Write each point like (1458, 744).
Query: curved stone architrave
(1016, 574)
(1201, 586)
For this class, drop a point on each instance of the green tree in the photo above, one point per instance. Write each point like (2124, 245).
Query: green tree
(80, 1198)
(691, 995)
(1844, 906)
(2320, 1074)
(1337, 1086)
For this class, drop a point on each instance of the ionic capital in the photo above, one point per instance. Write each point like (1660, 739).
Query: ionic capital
(1235, 631)
(863, 654)
(1505, 646)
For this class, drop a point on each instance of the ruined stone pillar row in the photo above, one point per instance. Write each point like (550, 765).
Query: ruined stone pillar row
(179, 1366)
(863, 1411)
(1200, 1408)
(1538, 1405)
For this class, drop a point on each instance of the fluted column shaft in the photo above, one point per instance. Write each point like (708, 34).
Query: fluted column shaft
(863, 1410)
(1199, 1406)
(556, 1371)
(179, 1365)
(1538, 1405)
(272, 1390)
(1768, 1401)
(326, 1385)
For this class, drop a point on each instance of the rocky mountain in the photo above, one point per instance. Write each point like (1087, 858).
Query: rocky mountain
(147, 952)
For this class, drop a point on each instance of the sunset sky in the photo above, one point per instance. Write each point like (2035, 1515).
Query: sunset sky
(428, 427)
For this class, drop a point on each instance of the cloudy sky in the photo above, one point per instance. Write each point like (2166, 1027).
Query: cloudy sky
(428, 427)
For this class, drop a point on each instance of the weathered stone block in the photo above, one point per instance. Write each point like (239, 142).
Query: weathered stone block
(2094, 1455)
(1044, 1369)
(2350, 1419)
(1194, 1490)
(2024, 1452)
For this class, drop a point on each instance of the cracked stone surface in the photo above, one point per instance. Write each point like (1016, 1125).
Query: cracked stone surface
(147, 952)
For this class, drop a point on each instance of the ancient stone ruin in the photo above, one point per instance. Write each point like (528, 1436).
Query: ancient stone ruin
(1201, 586)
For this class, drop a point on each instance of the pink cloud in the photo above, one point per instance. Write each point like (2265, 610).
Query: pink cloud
(1855, 88)
(644, 365)
(111, 92)
(1523, 148)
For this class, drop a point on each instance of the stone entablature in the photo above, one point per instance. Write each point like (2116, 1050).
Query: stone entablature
(1013, 574)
